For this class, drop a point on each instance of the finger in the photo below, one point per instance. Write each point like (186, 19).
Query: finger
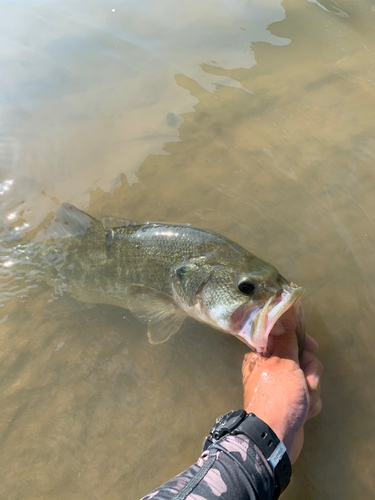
(248, 364)
(250, 359)
(285, 345)
(315, 408)
(248, 356)
(311, 344)
(312, 369)
(315, 402)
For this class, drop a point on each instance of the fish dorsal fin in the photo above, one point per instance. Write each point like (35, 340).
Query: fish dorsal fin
(70, 221)
(157, 309)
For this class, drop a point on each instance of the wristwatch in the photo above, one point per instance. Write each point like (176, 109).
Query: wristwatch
(240, 422)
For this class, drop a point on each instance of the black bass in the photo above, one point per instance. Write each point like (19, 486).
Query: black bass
(163, 273)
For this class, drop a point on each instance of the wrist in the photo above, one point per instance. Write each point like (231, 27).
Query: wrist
(281, 424)
(273, 449)
(271, 418)
(261, 435)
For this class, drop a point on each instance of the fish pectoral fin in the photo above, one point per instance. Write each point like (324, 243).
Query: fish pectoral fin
(163, 330)
(158, 310)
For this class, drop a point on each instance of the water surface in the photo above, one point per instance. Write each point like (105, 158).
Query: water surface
(253, 119)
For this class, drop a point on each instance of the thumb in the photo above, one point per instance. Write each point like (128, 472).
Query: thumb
(249, 364)
(249, 360)
(284, 345)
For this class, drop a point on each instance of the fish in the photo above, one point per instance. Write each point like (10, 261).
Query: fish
(164, 273)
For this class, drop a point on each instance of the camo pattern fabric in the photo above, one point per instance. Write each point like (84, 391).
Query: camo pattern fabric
(231, 469)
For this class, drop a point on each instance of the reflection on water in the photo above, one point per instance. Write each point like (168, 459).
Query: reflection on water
(204, 113)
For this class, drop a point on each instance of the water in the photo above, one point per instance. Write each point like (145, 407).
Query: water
(253, 119)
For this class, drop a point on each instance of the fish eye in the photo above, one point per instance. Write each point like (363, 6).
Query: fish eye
(246, 286)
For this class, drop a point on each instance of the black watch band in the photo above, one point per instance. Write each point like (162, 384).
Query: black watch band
(272, 448)
(239, 422)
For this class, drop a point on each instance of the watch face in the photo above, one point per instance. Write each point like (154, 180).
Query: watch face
(227, 423)
(220, 422)
(223, 418)
(274, 451)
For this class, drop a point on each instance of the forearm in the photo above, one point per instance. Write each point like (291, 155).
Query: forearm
(234, 469)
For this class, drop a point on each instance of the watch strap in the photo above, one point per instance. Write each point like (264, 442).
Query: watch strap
(272, 448)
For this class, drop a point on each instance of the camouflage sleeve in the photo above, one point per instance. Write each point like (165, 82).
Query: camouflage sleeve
(232, 469)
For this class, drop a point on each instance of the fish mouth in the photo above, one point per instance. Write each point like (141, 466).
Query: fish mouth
(262, 318)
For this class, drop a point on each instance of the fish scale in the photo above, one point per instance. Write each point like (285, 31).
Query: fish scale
(165, 272)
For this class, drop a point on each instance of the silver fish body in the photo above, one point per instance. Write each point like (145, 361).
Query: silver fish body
(165, 272)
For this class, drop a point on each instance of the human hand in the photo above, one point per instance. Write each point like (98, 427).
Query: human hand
(282, 390)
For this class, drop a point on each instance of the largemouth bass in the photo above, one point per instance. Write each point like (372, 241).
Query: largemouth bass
(165, 272)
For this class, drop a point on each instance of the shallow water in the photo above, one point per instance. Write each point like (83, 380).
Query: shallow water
(253, 119)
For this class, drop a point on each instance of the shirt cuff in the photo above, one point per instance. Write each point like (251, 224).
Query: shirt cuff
(249, 457)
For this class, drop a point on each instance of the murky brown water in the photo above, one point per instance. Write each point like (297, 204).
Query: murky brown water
(253, 119)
